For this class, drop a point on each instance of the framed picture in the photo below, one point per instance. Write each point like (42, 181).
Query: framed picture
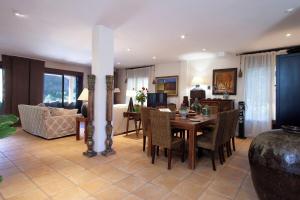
(225, 80)
(167, 84)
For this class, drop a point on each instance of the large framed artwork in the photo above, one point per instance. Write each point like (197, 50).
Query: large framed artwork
(167, 84)
(225, 80)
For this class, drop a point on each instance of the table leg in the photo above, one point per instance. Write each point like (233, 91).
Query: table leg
(127, 125)
(136, 128)
(77, 130)
(192, 152)
(85, 131)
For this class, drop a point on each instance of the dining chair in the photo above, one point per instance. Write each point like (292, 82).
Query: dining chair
(235, 117)
(162, 135)
(145, 117)
(172, 106)
(211, 138)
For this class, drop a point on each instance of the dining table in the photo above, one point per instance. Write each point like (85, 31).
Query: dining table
(192, 125)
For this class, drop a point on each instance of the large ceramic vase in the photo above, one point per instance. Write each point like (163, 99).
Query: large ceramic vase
(274, 158)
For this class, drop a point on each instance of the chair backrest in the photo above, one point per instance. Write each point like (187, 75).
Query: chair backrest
(213, 109)
(145, 117)
(160, 128)
(172, 106)
(227, 126)
(235, 116)
(218, 130)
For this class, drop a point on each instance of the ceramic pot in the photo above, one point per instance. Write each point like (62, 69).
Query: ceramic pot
(274, 159)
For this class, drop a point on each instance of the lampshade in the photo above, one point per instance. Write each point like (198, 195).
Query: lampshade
(197, 81)
(117, 90)
(130, 93)
(84, 96)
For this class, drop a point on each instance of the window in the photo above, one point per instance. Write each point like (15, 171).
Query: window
(62, 90)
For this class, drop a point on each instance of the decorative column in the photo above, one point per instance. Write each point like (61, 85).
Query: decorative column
(102, 65)
(109, 106)
(90, 141)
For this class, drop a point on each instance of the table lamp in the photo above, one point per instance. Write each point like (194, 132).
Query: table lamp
(84, 97)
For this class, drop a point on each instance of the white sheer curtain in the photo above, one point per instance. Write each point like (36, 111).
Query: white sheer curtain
(259, 91)
(138, 78)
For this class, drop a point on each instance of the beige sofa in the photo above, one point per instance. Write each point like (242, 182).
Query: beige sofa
(47, 122)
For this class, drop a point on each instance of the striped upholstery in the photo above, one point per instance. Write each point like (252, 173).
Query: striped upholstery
(38, 121)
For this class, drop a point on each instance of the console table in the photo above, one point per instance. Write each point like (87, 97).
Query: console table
(136, 116)
(222, 104)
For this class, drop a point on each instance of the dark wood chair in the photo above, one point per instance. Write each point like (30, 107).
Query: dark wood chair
(212, 138)
(235, 117)
(145, 118)
(162, 135)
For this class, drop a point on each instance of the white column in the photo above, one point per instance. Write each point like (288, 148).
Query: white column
(102, 65)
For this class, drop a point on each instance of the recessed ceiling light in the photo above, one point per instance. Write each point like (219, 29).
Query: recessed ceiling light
(128, 49)
(182, 37)
(18, 14)
(203, 49)
(154, 57)
(289, 10)
(118, 63)
(288, 35)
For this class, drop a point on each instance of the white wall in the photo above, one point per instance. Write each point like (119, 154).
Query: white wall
(71, 67)
(202, 68)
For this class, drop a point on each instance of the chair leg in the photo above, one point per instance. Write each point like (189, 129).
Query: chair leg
(222, 152)
(169, 158)
(199, 152)
(229, 147)
(153, 153)
(233, 143)
(183, 151)
(144, 143)
(157, 152)
(166, 153)
(220, 155)
(213, 160)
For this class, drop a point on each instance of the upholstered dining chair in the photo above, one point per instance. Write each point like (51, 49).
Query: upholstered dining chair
(162, 135)
(212, 138)
(235, 117)
(225, 143)
(145, 117)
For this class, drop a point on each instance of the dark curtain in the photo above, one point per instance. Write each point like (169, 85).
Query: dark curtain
(23, 82)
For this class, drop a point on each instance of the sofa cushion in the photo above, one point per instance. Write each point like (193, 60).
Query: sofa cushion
(70, 111)
(56, 111)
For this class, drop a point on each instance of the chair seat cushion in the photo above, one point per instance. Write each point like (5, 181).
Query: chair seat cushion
(205, 141)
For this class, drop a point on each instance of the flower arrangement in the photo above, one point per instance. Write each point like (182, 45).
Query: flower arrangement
(141, 95)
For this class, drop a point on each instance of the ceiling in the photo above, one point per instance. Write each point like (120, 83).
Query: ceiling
(61, 30)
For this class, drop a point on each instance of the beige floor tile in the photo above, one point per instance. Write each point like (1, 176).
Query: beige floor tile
(225, 188)
(39, 171)
(55, 187)
(210, 195)
(82, 177)
(174, 196)
(16, 189)
(48, 178)
(74, 193)
(95, 185)
(200, 180)
(31, 194)
(150, 191)
(167, 182)
(114, 175)
(132, 197)
(149, 173)
(189, 189)
(131, 183)
(112, 193)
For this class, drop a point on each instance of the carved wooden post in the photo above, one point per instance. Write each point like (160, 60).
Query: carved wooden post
(108, 128)
(90, 141)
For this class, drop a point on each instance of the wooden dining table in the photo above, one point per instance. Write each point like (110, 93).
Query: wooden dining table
(192, 125)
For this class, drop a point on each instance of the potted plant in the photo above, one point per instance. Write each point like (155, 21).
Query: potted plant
(141, 95)
(183, 111)
(6, 129)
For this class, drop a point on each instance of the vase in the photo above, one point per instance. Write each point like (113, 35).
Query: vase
(274, 158)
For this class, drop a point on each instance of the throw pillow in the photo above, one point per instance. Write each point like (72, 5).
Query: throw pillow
(56, 111)
(70, 111)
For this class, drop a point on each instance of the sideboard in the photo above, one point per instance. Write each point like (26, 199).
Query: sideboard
(222, 104)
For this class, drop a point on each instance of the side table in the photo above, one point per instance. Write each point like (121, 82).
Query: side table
(78, 121)
(136, 116)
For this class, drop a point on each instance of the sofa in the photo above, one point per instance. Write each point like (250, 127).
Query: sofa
(119, 121)
(48, 122)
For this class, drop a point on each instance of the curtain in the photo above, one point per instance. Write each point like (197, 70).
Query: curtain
(259, 91)
(138, 78)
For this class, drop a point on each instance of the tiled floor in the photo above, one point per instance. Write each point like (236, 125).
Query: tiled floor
(35, 169)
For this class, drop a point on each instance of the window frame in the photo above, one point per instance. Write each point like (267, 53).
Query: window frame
(79, 83)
